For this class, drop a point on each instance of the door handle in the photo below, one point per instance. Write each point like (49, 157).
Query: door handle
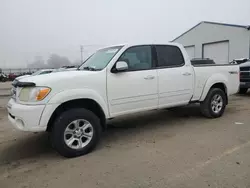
(187, 74)
(149, 77)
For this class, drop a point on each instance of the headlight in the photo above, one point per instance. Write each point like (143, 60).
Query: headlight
(33, 94)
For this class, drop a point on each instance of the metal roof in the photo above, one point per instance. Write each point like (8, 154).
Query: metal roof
(217, 23)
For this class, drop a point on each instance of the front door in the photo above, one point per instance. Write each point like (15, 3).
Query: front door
(136, 89)
(175, 77)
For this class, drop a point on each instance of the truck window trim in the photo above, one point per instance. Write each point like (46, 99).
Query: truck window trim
(153, 67)
(168, 66)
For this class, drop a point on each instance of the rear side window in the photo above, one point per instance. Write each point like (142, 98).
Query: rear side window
(169, 56)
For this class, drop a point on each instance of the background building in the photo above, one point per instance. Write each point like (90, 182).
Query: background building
(218, 41)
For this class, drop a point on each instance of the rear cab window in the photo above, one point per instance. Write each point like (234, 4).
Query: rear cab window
(169, 56)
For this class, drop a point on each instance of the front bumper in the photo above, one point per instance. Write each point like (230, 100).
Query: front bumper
(25, 117)
(244, 84)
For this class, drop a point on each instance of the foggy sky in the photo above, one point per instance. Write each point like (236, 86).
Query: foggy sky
(30, 28)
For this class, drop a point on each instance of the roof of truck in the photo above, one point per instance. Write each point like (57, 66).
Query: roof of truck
(143, 43)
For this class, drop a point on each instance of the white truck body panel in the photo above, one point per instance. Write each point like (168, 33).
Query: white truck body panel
(127, 92)
(206, 76)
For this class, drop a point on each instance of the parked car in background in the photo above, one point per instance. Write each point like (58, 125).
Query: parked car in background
(3, 77)
(202, 61)
(65, 69)
(68, 68)
(12, 76)
(74, 106)
(244, 64)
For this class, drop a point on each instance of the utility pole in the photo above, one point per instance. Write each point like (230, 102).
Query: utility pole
(81, 49)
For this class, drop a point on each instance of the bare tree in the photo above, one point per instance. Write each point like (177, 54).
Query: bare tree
(37, 63)
(56, 61)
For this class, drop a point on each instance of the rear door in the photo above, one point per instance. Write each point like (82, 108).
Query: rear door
(175, 79)
(136, 89)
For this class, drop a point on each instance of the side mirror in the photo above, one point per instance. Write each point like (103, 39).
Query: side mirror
(121, 66)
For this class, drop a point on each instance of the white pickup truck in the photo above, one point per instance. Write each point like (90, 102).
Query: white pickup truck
(74, 106)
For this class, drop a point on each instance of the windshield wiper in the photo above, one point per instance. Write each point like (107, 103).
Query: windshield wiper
(89, 68)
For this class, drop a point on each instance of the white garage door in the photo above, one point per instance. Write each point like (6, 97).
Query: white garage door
(217, 51)
(191, 51)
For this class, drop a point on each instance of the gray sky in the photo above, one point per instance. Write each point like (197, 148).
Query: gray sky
(30, 28)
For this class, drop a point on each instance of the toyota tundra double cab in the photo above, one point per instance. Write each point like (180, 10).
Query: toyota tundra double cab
(124, 79)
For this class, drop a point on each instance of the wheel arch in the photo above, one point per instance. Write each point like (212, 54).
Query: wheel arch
(78, 98)
(216, 81)
(220, 85)
(89, 104)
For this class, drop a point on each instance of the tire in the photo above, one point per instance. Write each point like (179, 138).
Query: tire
(207, 106)
(70, 120)
(243, 90)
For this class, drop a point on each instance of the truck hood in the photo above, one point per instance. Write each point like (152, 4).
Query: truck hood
(68, 79)
(21, 77)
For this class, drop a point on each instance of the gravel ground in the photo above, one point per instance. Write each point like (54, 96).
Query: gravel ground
(5, 88)
(153, 149)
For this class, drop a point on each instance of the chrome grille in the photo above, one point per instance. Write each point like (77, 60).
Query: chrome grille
(244, 68)
(245, 74)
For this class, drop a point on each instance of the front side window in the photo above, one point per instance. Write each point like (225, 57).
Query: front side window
(137, 58)
(169, 56)
(100, 59)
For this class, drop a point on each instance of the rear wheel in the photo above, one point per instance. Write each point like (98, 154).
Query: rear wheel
(75, 132)
(214, 104)
(243, 90)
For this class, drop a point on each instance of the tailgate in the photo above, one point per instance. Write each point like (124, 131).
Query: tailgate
(233, 79)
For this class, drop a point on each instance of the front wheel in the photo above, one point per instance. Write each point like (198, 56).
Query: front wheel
(214, 104)
(75, 132)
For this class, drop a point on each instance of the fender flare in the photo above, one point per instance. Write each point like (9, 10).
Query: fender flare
(85, 93)
(215, 79)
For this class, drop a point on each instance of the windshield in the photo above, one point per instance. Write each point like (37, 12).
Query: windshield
(100, 59)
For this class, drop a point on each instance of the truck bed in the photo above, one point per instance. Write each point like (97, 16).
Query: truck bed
(204, 74)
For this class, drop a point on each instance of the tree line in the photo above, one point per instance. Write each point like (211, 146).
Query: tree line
(54, 61)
